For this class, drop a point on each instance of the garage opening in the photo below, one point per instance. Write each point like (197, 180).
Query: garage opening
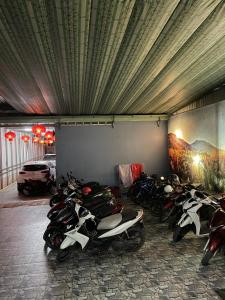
(27, 159)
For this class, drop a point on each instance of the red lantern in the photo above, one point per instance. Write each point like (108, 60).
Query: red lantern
(35, 139)
(50, 142)
(41, 142)
(10, 135)
(38, 129)
(25, 138)
(49, 135)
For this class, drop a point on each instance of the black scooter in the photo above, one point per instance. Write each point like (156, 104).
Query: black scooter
(62, 219)
(68, 187)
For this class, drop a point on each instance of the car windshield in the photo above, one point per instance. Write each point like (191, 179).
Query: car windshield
(35, 167)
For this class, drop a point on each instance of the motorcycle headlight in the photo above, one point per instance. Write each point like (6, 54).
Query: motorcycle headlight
(49, 215)
(83, 212)
(111, 202)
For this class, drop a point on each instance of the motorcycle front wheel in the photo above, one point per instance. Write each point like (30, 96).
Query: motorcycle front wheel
(180, 232)
(52, 189)
(54, 237)
(130, 241)
(54, 200)
(206, 257)
(63, 254)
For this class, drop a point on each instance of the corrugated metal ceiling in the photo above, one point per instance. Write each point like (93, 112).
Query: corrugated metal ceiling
(109, 56)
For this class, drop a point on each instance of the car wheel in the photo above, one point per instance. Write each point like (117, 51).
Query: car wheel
(19, 189)
(27, 190)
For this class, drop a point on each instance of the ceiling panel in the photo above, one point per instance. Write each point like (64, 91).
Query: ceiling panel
(109, 56)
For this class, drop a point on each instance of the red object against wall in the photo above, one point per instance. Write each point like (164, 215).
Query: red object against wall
(136, 170)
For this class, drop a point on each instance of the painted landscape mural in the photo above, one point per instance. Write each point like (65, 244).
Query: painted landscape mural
(197, 146)
(199, 162)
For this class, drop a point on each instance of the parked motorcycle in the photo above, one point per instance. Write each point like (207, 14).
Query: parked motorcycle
(216, 240)
(62, 219)
(151, 192)
(160, 196)
(197, 209)
(141, 189)
(173, 203)
(73, 184)
(123, 231)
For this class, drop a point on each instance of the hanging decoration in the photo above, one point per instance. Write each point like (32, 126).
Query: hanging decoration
(49, 141)
(35, 139)
(41, 142)
(49, 135)
(25, 138)
(38, 129)
(10, 136)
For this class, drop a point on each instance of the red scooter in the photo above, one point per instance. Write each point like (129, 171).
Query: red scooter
(216, 240)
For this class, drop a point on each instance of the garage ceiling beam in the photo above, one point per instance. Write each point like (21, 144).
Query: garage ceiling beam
(4, 121)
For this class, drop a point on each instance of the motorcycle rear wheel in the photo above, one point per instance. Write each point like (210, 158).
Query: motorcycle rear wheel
(156, 209)
(206, 257)
(131, 242)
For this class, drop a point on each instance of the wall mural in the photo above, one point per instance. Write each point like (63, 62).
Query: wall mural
(199, 162)
(197, 146)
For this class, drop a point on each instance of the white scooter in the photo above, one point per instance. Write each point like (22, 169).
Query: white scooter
(123, 231)
(197, 210)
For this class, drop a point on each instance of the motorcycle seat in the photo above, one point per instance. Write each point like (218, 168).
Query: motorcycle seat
(110, 222)
(117, 219)
(128, 215)
(90, 203)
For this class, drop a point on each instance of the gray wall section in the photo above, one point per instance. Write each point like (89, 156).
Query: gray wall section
(93, 152)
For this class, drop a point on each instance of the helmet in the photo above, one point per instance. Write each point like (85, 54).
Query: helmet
(86, 190)
(168, 189)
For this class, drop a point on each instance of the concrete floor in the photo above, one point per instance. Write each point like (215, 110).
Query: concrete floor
(157, 271)
(9, 197)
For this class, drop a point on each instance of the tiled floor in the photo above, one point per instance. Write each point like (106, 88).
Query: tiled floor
(157, 271)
